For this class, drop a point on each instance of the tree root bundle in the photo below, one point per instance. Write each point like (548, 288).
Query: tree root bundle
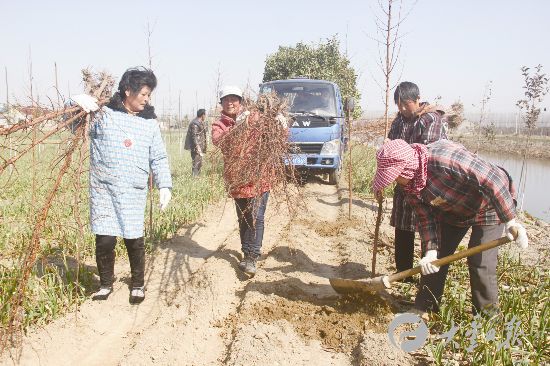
(256, 151)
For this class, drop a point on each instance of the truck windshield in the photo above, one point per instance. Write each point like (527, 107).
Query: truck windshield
(306, 98)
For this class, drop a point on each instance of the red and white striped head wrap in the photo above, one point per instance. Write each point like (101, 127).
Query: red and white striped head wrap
(397, 158)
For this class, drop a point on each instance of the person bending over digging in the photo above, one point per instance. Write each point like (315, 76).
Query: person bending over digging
(250, 193)
(125, 142)
(451, 190)
(420, 123)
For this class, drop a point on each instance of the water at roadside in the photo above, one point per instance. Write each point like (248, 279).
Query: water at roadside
(536, 199)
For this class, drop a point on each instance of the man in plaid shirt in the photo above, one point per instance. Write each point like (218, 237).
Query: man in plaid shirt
(415, 123)
(451, 190)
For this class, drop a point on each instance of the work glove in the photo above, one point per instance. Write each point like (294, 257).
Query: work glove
(164, 197)
(425, 263)
(86, 102)
(521, 239)
(242, 117)
(282, 120)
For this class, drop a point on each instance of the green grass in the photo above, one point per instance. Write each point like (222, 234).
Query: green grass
(53, 287)
(363, 170)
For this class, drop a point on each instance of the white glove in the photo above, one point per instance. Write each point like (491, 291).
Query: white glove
(425, 263)
(242, 117)
(282, 120)
(86, 102)
(521, 239)
(164, 197)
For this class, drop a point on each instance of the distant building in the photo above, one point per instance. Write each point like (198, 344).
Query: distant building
(10, 115)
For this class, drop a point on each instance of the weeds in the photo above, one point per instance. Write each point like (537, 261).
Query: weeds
(364, 168)
(517, 334)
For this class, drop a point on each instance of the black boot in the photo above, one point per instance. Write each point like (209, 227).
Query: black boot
(106, 270)
(136, 255)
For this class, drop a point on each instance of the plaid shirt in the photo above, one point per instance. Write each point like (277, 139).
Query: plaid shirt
(461, 190)
(424, 129)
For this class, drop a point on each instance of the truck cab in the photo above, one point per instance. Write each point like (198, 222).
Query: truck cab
(317, 123)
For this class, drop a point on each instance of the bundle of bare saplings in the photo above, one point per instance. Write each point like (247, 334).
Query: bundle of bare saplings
(257, 150)
(21, 138)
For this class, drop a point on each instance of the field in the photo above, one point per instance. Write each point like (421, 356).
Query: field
(200, 310)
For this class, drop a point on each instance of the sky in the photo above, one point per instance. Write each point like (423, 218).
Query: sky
(451, 49)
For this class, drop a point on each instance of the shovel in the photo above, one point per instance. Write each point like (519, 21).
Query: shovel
(344, 286)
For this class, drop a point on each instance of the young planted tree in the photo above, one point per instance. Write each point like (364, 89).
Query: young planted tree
(484, 131)
(389, 46)
(535, 89)
(149, 34)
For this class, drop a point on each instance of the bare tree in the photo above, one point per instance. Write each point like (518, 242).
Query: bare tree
(218, 86)
(7, 88)
(389, 47)
(536, 88)
(149, 33)
(481, 129)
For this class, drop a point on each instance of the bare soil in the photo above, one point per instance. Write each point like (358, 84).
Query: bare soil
(201, 310)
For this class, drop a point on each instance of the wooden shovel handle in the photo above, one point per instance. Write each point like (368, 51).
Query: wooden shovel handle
(454, 257)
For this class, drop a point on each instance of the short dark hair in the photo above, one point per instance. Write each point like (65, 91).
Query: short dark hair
(201, 112)
(134, 79)
(406, 91)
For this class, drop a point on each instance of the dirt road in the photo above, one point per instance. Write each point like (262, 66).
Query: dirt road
(200, 310)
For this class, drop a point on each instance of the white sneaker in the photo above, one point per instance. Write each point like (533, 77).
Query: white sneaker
(102, 294)
(137, 295)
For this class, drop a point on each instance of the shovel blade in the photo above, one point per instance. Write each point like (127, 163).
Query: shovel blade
(347, 287)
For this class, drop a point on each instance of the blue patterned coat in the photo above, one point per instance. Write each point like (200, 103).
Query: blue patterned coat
(122, 149)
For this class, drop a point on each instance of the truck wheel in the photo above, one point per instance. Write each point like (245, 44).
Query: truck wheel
(334, 176)
(302, 177)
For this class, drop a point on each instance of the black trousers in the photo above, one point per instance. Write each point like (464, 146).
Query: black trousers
(105, 259)
(482, 268)
(404, 249)
(197, 163)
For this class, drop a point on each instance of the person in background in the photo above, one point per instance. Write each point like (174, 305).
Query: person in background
(250, 198)
(125, 143)
(452, 190)
(420, 123)
(195, 141)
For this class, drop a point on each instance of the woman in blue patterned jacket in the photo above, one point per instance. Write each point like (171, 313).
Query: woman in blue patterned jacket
(125, 143)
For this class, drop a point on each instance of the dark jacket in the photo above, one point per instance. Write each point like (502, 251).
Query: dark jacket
(196, 136)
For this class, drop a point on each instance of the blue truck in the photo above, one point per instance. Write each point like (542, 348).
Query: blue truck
(317, 127)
